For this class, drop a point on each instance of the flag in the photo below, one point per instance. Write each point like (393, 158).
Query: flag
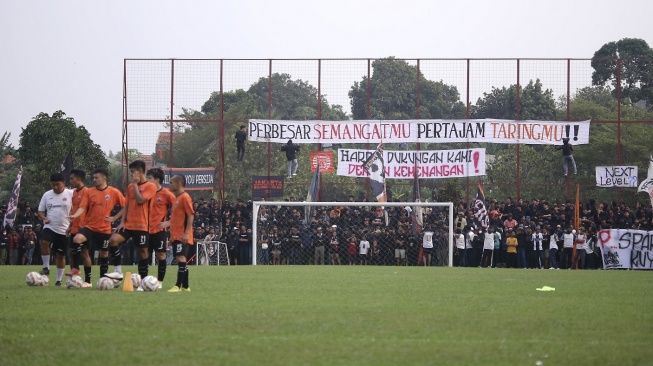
(416, 217)
(66, 168)
(375, 167)
(10, 215)
(312, 195)
(647, 184)
(480, 212)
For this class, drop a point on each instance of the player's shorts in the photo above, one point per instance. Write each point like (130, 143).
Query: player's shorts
(400, 253)
(157, 241)
(58, 242)
(100, 241)
(179, 249)
(428, 250)
(139, 237)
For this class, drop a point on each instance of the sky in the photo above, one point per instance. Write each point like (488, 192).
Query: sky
(68, 55)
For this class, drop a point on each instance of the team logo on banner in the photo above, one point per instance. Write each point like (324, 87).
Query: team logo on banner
(324, 159)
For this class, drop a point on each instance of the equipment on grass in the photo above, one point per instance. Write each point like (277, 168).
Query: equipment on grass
(150, 284)
(136, 280)
(74, 282)
(34, 279)
(45, 280)
(351, 223)
(128, 286)
(116, 277)
(105, 283)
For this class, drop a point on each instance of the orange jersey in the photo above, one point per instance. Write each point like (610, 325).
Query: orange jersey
(159, 208)
(100, 205)
(80, 199)
(138, 214)
(181, 209)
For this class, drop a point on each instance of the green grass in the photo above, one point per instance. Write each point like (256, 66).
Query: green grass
(294, 315)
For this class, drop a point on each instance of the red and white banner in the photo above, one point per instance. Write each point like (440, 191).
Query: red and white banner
(626, 249)
(422, 130)
(324, 159)
(430, 164)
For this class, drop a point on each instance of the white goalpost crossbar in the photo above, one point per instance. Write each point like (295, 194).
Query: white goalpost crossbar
(256, 205)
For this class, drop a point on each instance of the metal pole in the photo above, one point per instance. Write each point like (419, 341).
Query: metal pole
(319, 117)
(517, 118)
(367, 115)
(568, 110)
(467, 145)
(221, 159)
(172, 104)
(269, 117)
(125, 139)
(619, 121)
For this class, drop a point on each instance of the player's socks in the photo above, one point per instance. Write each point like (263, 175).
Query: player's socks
(162, 270)
(104, 266)
(186, 279)
(116, 256)
(181, 273)
(46, 261)
(78, 257)
(142, 268)
(60, 272)
(87, 274)
(118, 268)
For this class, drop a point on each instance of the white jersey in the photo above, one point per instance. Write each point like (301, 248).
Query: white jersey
(470, 239)
(460, 241)
(57, 209)
(581, 242)
(568, 240)
(427, 241)
(488, 241)
(363, 247)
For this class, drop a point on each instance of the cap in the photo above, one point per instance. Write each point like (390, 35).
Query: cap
(334, 225)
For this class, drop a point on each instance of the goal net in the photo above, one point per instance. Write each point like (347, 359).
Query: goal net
(361, 233)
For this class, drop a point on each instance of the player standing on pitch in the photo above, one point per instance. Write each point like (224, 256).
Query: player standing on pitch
(135, 216)
(102, 198)
(54, 211)
(78, 253)
(181, 229)
(159, 205)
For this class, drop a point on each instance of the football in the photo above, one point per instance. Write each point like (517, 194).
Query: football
(105, 283)
(136, 280)
(116, 277)
(74, 282)
(45, 280)
(150, 284)
(34, 279)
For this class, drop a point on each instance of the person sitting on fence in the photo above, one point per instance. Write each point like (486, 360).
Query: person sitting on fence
(291, 157)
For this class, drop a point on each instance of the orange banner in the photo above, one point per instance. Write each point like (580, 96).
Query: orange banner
(324, 158)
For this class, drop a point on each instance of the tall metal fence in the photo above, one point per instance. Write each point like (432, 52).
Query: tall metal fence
(163, 98)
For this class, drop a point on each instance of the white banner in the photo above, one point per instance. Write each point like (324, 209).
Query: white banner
(430, 164)
(423, 130)
(616, 176)
(626, 249)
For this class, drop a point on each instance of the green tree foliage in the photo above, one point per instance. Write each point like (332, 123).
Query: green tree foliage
(535, 102)
(636, 71)
(393, 94)
(44, 145)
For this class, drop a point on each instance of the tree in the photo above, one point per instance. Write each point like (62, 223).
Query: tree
(393, 94)
(636, 68)
(44, 145)
(535, 103)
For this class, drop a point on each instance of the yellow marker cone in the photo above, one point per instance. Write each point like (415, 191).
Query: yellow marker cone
(128, 285)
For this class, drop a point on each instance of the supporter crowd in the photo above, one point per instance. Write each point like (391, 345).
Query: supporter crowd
(533, 233)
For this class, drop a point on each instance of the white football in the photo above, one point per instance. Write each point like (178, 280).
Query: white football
(105, 283)
(150, 284)
(34, 279)
(45, 280)
(74, 282)
(136, 280)
(116, 277)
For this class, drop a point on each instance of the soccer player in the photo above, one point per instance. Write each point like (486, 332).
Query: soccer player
(159, 205)
(54, 211)
(181, 229)
(102, 199)
(135, 216)
(80, 202)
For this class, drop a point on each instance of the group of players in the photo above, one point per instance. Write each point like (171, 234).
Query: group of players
(82, 215)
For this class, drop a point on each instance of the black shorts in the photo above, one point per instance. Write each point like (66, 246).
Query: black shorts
(428, 250)
(139, 237)
(98, 240)
(58, 242)
(179, 249)
(158, 241)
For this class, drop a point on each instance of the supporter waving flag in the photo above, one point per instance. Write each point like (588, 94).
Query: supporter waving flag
(480, 213)
(647, 184)
(375, 167)
(10, 215)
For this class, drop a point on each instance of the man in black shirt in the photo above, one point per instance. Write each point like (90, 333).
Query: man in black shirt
(567, 158)
(241, 137)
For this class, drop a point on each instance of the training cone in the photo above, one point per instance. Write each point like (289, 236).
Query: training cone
(128, 285)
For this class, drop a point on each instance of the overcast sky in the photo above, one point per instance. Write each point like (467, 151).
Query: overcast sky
(69, 55)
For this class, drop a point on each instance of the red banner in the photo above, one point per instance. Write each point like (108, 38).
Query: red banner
(324, 158)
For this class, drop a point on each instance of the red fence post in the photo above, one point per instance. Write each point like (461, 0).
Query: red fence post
(269, 117)
(467, 115)
(172, 105)
(319, 117)
(517, 118)
(221, 160)
(568, 110)
(367, 113)
(619, 121)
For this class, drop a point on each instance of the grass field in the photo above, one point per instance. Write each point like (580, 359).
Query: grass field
(294, 315)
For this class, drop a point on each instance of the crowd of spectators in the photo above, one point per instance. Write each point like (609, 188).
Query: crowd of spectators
(542, 230)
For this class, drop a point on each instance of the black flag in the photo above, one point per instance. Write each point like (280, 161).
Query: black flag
(66, 168)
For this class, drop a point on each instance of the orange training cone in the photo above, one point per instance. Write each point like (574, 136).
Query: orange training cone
(128, 285)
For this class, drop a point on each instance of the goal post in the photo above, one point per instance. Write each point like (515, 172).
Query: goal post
(294, 232)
